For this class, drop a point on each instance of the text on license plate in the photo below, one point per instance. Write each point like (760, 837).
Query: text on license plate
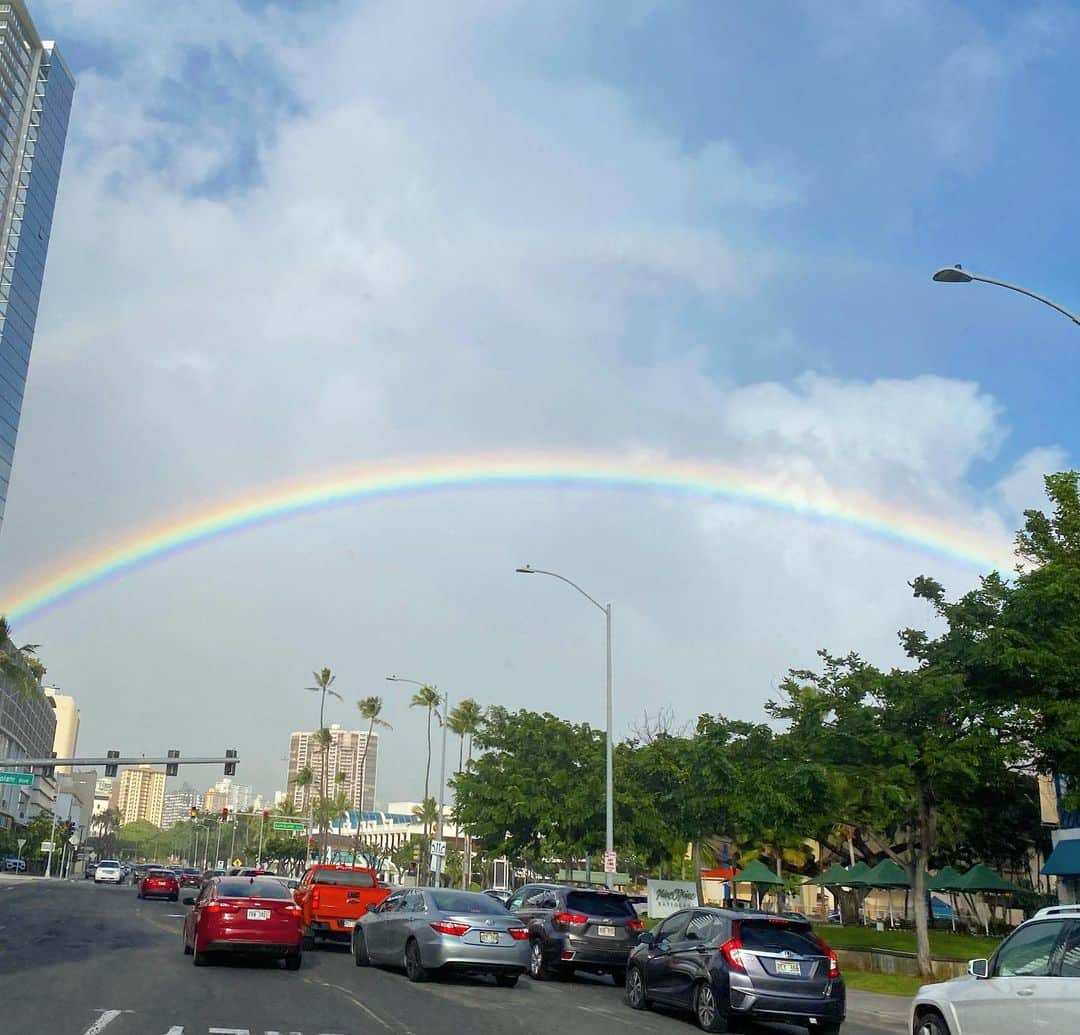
(783, 967)
(348, 923)
(489, 937)
(606, 932)
(258, 914)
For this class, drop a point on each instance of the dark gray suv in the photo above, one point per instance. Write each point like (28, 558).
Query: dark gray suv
(726, 966)
(576, 929)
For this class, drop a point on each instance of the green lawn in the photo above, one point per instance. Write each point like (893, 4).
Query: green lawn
(943, 944)
(887, 984)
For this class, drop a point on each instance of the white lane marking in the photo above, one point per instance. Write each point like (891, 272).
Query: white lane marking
(180, 916)
(176, 1029)
(371, 1013)
(106, 1018)
(228, 1031)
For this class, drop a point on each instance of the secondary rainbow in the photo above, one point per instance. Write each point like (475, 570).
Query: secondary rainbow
(703, 480)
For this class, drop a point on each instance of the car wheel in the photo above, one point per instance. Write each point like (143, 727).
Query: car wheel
(359, 949)
(200, 959)
(538, 969)
(506, 980)
(618, 975)
(635, 989)
(293, 960)
(706, 1011)
(415, 970)
(929, 1023)
(307, 940)
(828, 1029)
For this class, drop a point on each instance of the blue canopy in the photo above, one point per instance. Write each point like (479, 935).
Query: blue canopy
(1064, 860)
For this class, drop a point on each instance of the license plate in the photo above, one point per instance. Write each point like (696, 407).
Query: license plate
(783, 967)
(348, 923)
(489, 937)
(606, 932)
(258, 914)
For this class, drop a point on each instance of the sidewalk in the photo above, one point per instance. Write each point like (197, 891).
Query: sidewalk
(890, 1011)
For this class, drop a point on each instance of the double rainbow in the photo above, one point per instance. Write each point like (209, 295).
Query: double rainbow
(699, 480)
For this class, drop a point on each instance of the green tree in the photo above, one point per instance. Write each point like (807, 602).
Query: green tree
(20, 667)
(427, 697)
(370, 709)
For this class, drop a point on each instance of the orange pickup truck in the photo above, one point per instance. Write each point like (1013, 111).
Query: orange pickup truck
(333, 897)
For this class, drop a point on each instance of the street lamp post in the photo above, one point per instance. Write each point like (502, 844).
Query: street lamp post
(959, 275)
(609, 877)
(439, 859)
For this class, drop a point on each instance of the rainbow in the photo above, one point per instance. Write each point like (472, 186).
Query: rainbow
(696, 479)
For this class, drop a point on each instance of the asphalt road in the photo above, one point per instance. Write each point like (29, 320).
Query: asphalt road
(76, 959)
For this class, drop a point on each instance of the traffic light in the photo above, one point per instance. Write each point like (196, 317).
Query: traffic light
(266, 814)
(194, 812)
(172, 769)
(224, 813)
(311, 842)
(230, 767)
(110, 770)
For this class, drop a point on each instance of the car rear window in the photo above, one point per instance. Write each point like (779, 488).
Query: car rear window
(255, 887)
(348, 878)
(465, 902)
(595, 903)
(769, 936)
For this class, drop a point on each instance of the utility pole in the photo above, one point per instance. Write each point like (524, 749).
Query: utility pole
(52, 835)
(217, 846)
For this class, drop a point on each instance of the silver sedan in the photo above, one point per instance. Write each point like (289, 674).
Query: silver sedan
(428, 929)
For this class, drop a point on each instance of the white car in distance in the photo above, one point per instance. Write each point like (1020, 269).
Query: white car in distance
(109, 871)
(1032, 983)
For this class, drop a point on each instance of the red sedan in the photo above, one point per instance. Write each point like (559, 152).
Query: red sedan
(159, 884)
(243, 915)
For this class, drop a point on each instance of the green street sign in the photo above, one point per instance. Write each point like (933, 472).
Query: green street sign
(289, 824)
(19, 779)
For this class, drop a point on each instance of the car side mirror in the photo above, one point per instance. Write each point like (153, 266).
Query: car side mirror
(645, 938)
(979, 968)
(189, 900)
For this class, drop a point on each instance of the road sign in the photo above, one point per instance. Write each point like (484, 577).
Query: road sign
(47, 846)
(289, 824)
(21, 842)
(19, 779)
(238, 862)
(609, 862)
(438, 849)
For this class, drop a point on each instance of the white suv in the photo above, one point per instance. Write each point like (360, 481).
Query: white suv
(108, 871)
(1031, 983)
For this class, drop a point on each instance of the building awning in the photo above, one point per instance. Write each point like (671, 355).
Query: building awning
(1064, 860)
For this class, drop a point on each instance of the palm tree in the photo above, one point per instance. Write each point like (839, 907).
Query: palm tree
(464, 721)
(324, 678)
(19, 666)
(427, 812)
(370, 709)
(303, 780)
(427, 697)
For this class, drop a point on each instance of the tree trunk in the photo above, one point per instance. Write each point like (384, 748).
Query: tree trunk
(918, 879)
(781, 894)
(697, 872)
(423, 866)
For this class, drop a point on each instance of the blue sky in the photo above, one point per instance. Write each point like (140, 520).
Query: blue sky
(288, 244)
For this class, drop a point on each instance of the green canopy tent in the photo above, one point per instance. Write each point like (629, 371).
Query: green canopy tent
(833, 877)
(888, 875)
(947, 879)
(757, 873)
(982, 878)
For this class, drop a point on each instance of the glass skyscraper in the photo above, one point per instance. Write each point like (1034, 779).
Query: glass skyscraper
(35, 101)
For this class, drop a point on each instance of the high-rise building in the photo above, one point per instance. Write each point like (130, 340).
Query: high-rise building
(346, 755)
(27, 727)
(141, 795)
(178, 806)
(35, 101)
(236, 797)
(103, 794)
(66, 737)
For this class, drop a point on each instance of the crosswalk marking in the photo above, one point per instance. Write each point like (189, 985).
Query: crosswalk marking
(106, 1018)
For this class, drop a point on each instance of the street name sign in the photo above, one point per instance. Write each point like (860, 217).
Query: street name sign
(288, 824)
(47, 846)
(19, 779)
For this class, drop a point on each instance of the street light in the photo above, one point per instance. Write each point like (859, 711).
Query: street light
(442, 766)
(609, 877)
(959, 275)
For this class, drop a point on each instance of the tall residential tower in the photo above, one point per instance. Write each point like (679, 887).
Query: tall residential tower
(35, 101)
(346, 755)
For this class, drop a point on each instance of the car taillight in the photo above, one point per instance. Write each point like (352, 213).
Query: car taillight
(732, 952)
(566, 919)
(292, 908)
(214, 907)
(519, 934)
(834, 963)
(315, 898)
(449, 927)
(635, 925)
